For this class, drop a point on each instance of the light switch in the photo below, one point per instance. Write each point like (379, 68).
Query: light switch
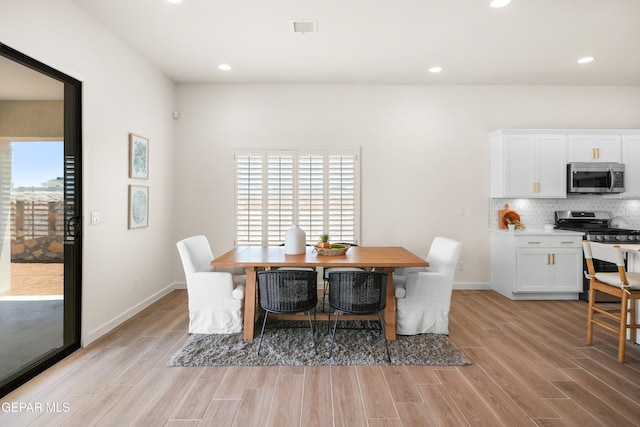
(95, 218)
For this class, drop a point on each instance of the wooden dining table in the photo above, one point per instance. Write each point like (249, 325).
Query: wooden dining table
(255, 258)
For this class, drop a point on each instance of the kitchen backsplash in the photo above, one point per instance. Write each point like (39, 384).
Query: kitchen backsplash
(534, 213)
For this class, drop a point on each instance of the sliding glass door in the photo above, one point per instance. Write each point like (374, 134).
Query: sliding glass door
(40, 205)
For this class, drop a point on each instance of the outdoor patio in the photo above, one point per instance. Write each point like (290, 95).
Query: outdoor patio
(36, 279)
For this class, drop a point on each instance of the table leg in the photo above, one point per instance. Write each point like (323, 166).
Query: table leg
(250, 304)
(390, 310)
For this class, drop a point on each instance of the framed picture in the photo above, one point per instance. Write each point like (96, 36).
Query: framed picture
(138, 157)
(138, 206)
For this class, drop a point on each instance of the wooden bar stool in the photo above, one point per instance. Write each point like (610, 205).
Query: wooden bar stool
(621, 284)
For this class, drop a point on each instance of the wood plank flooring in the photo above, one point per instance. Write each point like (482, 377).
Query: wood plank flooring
(530, 368)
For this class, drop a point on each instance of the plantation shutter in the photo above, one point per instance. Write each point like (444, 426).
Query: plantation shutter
(249, 205)
(280, 196)
(318, 190)
(342, 198)
(311, 196)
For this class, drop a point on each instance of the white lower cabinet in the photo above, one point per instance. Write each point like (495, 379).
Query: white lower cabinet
(532, 266)
(550, 269)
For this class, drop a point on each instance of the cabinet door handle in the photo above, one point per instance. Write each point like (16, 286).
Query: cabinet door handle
(553, 259)
(597, 153)
(536, 187)
(593, 154)
(548, 259)
(534, 243)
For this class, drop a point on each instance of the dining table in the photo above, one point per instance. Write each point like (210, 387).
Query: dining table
(256, 258)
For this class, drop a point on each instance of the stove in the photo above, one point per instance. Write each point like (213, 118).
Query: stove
(596, 228)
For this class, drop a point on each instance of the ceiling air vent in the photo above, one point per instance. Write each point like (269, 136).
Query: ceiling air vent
(302, 26)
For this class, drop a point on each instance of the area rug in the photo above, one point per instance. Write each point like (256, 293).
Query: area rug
(289, 344)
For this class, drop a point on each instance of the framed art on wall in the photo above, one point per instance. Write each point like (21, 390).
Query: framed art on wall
(138, 206)
(138, 157)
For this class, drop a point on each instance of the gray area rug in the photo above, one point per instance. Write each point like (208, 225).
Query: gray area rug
(289, 344)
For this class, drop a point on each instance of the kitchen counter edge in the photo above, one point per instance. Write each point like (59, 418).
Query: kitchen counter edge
(536, 232)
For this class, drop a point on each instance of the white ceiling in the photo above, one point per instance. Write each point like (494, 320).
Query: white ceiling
(530, 42)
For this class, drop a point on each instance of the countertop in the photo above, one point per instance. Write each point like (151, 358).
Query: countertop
(536, 232)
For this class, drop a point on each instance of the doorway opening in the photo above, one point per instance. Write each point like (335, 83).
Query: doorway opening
(31, 303)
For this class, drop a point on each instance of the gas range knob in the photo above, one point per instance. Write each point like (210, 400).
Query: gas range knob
(599, 238)
(619, 237)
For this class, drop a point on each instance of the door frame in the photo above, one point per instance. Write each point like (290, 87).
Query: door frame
(73, 221)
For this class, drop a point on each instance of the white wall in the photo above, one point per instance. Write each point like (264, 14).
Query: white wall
(122, 93)
(425, 150)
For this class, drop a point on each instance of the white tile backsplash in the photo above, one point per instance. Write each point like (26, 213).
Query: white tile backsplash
(534, 213)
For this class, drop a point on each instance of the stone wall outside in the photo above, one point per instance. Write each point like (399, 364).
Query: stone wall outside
(38, 249)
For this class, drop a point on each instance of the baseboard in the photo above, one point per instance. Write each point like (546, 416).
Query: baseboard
(471, 286)
(179, 285)
(118, 320)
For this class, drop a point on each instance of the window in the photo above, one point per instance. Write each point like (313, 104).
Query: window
(316, 189)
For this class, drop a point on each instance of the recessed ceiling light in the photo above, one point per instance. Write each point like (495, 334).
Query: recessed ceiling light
(224, 67)
(174, 1)
(586, 59)
(500, 3)
(435, 69)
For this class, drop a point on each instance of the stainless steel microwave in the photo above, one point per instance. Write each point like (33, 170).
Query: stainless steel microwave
(595, 178)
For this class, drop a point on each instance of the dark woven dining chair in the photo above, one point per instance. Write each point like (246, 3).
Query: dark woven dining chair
(287, 292)
(329, 270)
(358, 292)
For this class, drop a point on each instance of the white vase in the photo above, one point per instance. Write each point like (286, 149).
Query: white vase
(295, 241)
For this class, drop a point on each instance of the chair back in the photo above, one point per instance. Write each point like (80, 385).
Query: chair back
(604, 252)
(195, 254)
(288, 291)
(444, 255)
(358, 292)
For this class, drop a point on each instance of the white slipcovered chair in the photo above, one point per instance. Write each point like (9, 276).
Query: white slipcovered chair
(423, 296)
(216, 297)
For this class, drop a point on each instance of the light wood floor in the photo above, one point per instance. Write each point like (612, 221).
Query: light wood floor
(530, 368)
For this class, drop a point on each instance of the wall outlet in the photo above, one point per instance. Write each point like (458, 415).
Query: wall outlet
(136, 282)
(460, 265)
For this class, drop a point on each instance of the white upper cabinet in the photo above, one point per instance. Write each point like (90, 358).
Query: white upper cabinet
(528, 165)
(532, 163)
(594, 148)
(631, 160)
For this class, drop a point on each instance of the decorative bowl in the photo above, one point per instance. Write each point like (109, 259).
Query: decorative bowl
(331, 251)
